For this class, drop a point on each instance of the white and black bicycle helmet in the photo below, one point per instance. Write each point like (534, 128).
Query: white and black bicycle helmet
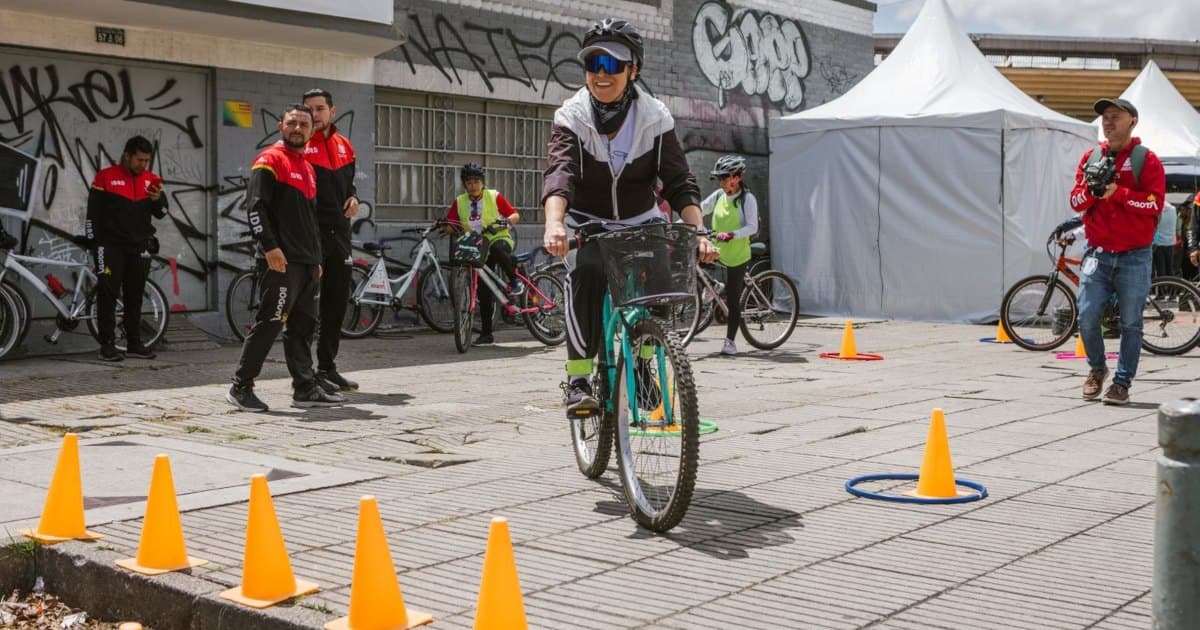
(619, 31)
(729, 165)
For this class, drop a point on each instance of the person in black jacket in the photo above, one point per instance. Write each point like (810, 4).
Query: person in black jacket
(123, 199)
(283, 219)
(332, 158)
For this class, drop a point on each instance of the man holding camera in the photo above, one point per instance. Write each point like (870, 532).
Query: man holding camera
(121, 203)
(1119, 191)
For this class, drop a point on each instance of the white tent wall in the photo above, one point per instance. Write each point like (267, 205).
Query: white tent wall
(940, 248)
(1039, 168)
(825, 228)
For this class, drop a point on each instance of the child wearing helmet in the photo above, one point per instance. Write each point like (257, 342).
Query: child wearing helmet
(734, 220)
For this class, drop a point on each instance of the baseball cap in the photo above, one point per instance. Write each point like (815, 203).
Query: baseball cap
(616, 49)
(1121, 103)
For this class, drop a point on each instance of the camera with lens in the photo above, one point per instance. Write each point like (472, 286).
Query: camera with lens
(1100, 174)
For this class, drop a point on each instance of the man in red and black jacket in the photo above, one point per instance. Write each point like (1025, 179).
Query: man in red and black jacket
(121, 203)
(332, 158)
(1120, 214)
(280, 198)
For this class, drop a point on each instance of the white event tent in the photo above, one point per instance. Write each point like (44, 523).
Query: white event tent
(1167, 123)
(925, 190)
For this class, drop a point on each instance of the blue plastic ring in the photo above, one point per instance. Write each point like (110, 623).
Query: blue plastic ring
(980, 491)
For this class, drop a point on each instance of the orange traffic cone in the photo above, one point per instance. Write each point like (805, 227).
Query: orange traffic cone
(161, 549)
(500, 606)
(849, 350)
(62, 516)
(937, 472)
(375, 599)
(267, 577)
(1080, 351)
(1001, 336)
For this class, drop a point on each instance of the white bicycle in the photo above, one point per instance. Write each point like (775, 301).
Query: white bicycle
(73, 304)
(374, 290)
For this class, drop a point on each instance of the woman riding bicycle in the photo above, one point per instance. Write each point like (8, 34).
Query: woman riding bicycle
(479, 210)
(735, 220)
(611, 143)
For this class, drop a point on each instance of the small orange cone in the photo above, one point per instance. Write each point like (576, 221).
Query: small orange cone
(849, 350)
(267, 577)
(161, 549)
(375, 599)
(937, 472)
(1001, 336)
(1080, 351)
(500, 606)
(62, 516)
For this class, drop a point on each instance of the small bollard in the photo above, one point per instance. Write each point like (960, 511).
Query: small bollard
(1176, 588)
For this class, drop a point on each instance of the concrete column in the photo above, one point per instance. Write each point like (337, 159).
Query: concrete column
(1176, 589)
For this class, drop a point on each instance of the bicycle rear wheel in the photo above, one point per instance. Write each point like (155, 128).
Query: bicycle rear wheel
(241, 303)
(549, 323)
(1171, 317)
(433, 299)
(770, 306)
(153, 320)
(461, 290)
(1038, 315)
(658, 437)
(363, 318)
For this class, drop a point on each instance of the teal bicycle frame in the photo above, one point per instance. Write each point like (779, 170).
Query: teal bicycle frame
(627, 317)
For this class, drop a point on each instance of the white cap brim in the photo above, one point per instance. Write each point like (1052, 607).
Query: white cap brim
(616, 49)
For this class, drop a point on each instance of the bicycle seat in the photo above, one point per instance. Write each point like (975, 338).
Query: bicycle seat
(375, 248)
(758, 249)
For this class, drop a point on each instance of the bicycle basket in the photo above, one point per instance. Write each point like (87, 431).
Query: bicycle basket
(650, 264)
(469, 249)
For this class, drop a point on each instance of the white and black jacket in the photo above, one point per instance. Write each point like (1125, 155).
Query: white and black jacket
(578, 163)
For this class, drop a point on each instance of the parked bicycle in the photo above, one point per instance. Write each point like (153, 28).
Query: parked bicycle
(657, 436)
(73, 303)
(375, 290)
(770, 307)
(1040, 312)
(541, 304)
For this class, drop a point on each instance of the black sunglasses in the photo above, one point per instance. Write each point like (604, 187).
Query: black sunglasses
(609, 63)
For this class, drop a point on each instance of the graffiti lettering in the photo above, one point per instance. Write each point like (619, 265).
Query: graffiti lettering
(504, 55)
(760, 53)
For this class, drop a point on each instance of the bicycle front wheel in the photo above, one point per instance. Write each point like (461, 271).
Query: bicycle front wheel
(153, 318)
(658, 426)
(241, 303)
(12, 321)
(24, 315)
(1171, 318)
(1038, 315)
(548, 324)
(461, 289)
(363, 318)
(433, 299)
(770, 307)
(592, 436)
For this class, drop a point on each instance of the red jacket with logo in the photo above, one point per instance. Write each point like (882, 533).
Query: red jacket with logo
(281, 200)
(1127, 219)
(332, 158)
(118, 209)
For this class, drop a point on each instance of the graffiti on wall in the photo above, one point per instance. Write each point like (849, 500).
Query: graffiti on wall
(74, 118)
(757, 53)
(484, 54)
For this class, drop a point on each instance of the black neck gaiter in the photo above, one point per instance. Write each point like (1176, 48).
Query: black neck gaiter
(609, 116)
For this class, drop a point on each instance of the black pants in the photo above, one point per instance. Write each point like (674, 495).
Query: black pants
(335, 295)
(735, 283)
(122, 270)
(291, 298)
(1164, 260)
(586, 285)
(499, 255)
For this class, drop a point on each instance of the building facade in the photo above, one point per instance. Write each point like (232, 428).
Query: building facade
(420, 88)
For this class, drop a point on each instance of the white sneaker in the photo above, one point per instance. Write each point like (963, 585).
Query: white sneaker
(729, 349)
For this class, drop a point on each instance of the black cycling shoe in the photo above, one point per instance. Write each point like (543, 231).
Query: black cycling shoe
(332, 377)
(242, 397)
(140, 351)
(324, 384)
(316, 397)
(484, 340)
(110, 353)
(578, 399)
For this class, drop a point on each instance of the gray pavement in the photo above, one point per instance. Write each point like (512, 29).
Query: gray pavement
(772, 540)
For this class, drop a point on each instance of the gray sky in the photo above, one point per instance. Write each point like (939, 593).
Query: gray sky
(1151, 19)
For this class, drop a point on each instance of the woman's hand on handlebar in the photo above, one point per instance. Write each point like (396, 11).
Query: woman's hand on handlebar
(554, 239)
(708, 251)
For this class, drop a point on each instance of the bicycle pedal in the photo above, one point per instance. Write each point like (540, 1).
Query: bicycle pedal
(584, 413)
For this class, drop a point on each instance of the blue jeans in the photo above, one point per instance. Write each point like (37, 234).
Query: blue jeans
(1128, 275)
